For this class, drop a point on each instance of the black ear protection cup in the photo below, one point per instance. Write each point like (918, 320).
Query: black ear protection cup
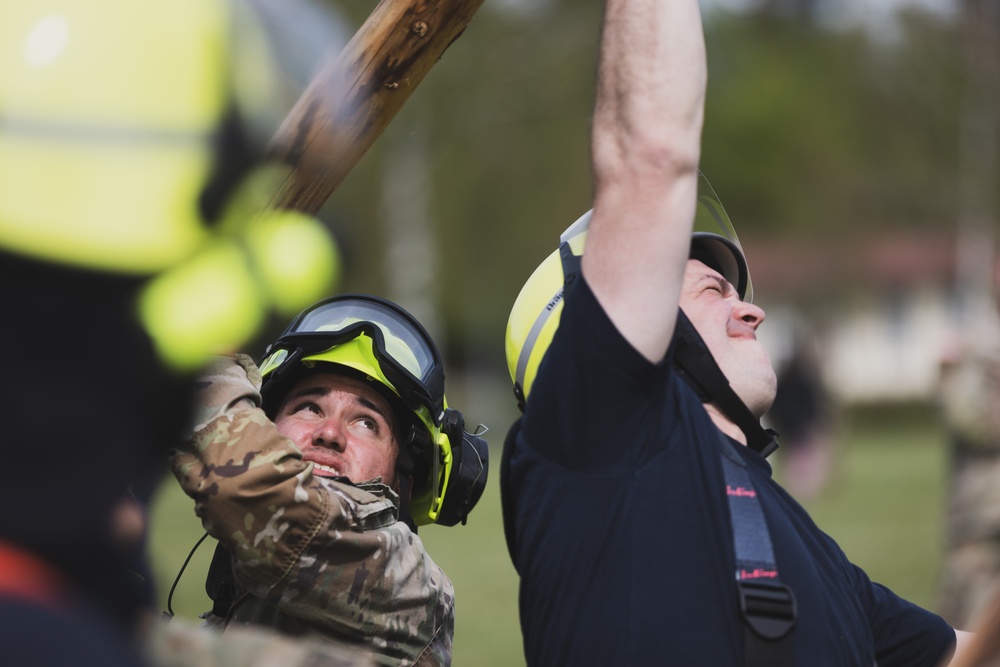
(469, 469)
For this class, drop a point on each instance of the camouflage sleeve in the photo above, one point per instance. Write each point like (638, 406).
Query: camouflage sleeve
(328, 553)
(227, 385)
(181, 644)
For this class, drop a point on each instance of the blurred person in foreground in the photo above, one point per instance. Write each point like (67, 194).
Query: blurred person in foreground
(129, 155)
(314, 470)
(639, 509)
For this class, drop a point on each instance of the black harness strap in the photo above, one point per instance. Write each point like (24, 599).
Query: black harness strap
(766, 605)
(220, 583)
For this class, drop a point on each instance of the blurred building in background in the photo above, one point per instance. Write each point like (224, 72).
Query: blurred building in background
(883, 310)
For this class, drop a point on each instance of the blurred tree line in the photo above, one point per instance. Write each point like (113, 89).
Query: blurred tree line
(811, 128)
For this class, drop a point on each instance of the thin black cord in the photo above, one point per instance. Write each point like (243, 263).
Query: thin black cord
(169, 613)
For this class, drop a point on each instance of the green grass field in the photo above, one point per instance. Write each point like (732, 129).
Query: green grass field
(884, 506)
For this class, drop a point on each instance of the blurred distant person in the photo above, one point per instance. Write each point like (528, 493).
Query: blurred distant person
(314, 470)
(802, 413)
(969, 396)
(129, 149)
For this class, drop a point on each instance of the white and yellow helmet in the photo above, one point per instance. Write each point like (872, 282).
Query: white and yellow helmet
(535, 315)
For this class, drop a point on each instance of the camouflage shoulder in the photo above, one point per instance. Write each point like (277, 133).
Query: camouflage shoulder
(181, 643)
(372, 504)
(226, 384)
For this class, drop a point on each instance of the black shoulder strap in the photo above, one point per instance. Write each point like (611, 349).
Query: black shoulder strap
(766, 605)
(220, 583)
(234, 603)
(506, 495)
(571, 265)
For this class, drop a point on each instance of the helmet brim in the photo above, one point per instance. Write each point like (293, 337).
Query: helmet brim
(724, 256)
(715, 236)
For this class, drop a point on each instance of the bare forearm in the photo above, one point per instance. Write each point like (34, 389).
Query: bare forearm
(650, 90)
(973, 650)
(646, 144)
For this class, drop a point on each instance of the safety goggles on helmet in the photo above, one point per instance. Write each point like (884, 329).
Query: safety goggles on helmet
(404, 355)
(386, 345)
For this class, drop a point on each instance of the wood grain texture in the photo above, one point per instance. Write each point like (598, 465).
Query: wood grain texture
(355, 95)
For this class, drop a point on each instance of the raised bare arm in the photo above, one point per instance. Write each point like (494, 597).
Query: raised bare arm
(646, 142)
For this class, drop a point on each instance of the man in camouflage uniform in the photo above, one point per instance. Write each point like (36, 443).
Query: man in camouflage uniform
(315, 470)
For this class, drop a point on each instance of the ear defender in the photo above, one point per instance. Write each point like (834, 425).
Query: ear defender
(469, 468)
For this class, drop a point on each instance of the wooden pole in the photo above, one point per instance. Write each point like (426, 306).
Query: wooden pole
(355, 95)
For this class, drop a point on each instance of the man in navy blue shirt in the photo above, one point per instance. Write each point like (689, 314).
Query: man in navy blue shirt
(639, 509)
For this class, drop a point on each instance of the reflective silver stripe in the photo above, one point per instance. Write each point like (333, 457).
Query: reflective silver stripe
(529, 341)
(578, 227)
(98, 134)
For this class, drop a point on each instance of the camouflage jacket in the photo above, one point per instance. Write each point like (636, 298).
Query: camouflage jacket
(178, 643)
(331, 555)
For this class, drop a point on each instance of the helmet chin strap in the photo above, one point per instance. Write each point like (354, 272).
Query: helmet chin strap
(404, 479)
(696, 365)
(405, 489)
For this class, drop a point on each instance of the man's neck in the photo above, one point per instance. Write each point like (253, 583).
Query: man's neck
(724, 424)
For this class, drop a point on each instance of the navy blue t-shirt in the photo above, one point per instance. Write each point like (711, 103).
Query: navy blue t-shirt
(622, 534)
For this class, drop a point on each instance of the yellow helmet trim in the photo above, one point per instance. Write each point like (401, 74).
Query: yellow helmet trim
(536, 312)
